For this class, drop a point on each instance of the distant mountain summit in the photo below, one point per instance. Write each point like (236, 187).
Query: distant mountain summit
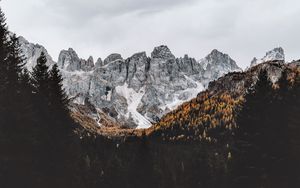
(217, 64)
(277, 54)
(136, 91)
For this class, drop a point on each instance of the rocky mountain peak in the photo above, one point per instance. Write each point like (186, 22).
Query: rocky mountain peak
(139, 55)
(218, 58)
(91, 60)
(217, 64)
(277, 54)
(112, 57)
(87, 65)
(99, 63)
(68, 60)
(162, 52)
(32, 52)
(22, 40)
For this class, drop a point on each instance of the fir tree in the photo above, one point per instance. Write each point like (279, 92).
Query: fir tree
(58, 97)
(40, 76)
(40, 81)
(3, 64)
(59, 101)
(11, 65)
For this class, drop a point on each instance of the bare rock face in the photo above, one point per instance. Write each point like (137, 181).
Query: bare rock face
(99, 63)
(217, 64)
(139, 90)
(32, 52)
(68, 60)
(138, 66)
(87, 65)
(111, 58)
(162, 52)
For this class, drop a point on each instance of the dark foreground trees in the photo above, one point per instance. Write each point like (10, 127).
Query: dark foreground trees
(263, 143)
(36, 131)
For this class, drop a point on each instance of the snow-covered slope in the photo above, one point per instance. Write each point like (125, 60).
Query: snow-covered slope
(133, 99)
(139, 90)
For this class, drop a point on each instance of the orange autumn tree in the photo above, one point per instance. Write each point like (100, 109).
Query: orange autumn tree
(201, 118)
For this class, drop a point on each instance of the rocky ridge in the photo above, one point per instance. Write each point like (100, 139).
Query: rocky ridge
(277, 54)
(137, 91)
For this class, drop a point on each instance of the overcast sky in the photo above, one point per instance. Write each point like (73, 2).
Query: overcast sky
(241, 28)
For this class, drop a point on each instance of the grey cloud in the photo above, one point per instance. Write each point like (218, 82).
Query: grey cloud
(241, 28)
(110, 8)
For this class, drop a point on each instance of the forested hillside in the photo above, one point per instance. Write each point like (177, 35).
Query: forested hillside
(258, 125)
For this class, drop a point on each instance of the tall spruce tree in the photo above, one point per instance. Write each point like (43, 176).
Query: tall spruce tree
(11, 65)
(59, 101)
(58, 96)
(40, 75)
(40, 80)
(3, 50)
(3, 66)
(14, 92)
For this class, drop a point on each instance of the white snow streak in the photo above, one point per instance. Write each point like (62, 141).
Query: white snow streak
(133, 100)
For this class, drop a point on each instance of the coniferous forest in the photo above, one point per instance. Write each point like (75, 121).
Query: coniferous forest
(220, 140)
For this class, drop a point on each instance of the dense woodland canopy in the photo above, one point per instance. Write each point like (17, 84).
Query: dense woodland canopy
(220, 140)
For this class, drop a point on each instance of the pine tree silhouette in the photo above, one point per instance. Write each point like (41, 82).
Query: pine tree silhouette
(3, 65)
(58, 96)
(40, 80)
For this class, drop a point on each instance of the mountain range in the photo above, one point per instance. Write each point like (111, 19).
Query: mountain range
(138, 91)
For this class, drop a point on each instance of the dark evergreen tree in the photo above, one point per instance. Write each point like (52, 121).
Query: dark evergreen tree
(40, 76)
(40, 81)
(3, 65)
(58, 97)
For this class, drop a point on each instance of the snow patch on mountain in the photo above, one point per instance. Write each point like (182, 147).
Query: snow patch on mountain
(183, 96)
(133, 99)
(139, 90)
